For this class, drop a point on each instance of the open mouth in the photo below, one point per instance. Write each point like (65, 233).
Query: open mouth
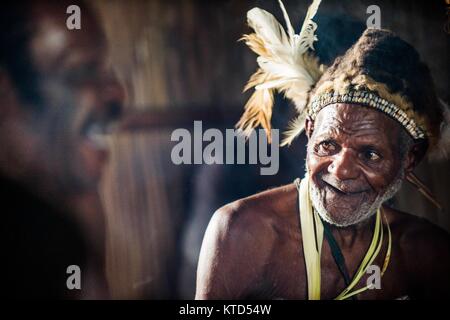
(96, 131)
(342, 192)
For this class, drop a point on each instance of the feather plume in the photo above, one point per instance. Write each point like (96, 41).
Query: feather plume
(258, 111)
(284, 66)
(294, 129)
(289, 27)
(307, 37)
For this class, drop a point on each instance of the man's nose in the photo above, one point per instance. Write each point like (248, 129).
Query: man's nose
(344, 165)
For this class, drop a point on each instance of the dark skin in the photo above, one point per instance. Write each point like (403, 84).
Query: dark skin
(253, 247)
(78, 88)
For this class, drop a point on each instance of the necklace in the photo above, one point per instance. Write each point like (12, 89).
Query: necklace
(312, 237)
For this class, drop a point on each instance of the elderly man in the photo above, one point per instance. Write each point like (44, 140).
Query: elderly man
(369, 118)
(58, 95)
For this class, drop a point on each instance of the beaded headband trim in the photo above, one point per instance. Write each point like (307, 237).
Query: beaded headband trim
(368, 99)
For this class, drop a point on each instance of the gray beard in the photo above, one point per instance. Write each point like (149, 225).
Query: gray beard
(364, 212)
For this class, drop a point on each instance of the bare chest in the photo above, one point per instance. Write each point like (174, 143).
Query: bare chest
(286, 278)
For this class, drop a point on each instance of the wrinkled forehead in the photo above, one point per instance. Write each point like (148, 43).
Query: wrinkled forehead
(52, 40)
(355, 121)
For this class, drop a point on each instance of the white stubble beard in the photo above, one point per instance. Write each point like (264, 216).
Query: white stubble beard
(364, 212)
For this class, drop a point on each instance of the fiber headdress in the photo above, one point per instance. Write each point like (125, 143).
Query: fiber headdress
(285, 65)
(379, 71)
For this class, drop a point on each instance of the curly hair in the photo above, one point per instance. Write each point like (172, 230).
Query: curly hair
(382, 62)
(15, 34)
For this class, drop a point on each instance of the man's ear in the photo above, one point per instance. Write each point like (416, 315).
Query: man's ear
(415, 155)
(309, 127)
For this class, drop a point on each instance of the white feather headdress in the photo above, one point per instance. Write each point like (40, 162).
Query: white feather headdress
(285, 65)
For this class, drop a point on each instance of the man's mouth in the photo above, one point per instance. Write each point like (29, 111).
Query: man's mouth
(95, 132)
(94, 146)
(342, 191)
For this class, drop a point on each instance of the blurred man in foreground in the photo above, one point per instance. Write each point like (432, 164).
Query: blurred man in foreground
(58, 99)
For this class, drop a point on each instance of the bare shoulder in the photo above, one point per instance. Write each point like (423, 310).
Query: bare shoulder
(258, 212)
(424, 250)
(416, 231)
(239, 242)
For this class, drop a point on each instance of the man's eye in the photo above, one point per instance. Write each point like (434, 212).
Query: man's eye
(372, 155)
(326, 147)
